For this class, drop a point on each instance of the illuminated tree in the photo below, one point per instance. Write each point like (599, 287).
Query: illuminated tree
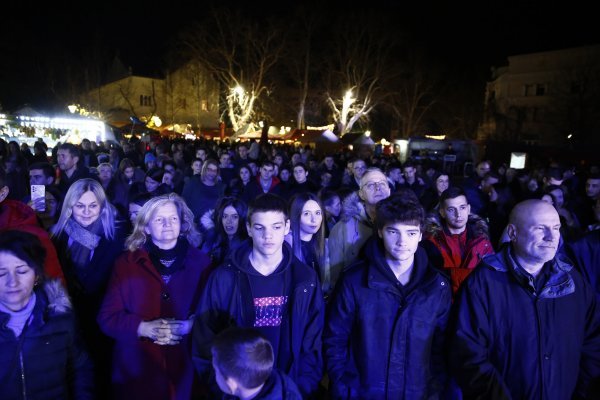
(358, 70)
(239, 53)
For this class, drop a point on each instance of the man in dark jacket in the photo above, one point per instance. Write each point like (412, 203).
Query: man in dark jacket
(456, 239)
(526, 324)
(385, 326)
(264, 286)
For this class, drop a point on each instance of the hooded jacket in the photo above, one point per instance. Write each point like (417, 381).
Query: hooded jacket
(47, 361)
(348, 236)
(15, 215)
(384, 340)
(444, 250)
(227, 301)
(509, 341)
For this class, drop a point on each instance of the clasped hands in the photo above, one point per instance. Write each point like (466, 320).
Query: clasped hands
(165, 331)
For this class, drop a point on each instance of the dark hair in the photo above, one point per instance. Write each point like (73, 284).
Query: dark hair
(46, 168)
(265, 203)
(452, 193)
(399, 209)
(25, 246)
(126, 163)
(141, 198)
(242, 210)
(301, 164)
(244, 355)
(74, 150)
(327, 196)
(392, 166)
(156, 174)
(554, 173)
(317, 242)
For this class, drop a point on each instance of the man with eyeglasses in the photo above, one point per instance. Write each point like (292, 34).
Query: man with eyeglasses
(349, 234)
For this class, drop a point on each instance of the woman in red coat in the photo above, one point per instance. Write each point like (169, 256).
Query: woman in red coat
(151, 298)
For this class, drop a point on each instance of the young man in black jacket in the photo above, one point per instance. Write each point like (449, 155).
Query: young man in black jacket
(385, 326)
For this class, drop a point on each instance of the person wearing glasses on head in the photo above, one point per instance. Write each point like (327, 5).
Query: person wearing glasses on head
(352, 231)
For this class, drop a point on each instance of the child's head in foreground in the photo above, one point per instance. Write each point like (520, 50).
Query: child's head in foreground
(242, 359)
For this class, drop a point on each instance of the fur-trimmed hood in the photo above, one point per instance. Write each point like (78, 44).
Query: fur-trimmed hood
(58, 299)
(476, 226)
(207, 220)
(352, 206)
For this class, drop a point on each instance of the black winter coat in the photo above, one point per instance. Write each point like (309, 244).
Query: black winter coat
(48, 353)
(383, 340)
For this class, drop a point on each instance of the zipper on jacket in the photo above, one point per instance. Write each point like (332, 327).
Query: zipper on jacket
(23, 386)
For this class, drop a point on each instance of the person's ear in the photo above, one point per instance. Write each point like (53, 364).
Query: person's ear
(4, 193)
(511, 231)
(248, 228)
(380, 233)
(287, 227)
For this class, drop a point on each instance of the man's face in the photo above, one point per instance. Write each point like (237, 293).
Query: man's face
(201, 154)
(535, 238)
(196, 167)
(266, 172)
(300, 174)
(224, 160)
(559, 198)
(284, 175)
(211, 173)
(395, 175)
(410, 172)
(243, 152)
(482, 169)
(592, 188)
(278, 160)
(37, 177)
(456, 212)
(374, 187)
(65, 160)
(329, 162)
(267, 230)
(296, 158)
(400, 240)
(358, 169)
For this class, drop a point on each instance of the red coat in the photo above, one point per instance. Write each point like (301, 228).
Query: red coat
(136, 293)
(457, 254)
(16, 215)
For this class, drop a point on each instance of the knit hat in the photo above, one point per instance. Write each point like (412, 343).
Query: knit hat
(149, 157)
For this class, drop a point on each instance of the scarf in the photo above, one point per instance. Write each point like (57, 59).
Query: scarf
(18, 319)
(83, 240)
(167, 262)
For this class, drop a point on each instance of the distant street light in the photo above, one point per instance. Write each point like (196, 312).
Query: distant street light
(72, 108)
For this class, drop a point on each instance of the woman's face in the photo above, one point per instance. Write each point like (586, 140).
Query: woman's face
(284, 175)
(196, 167)
(164, 226)
(151, 184)
(87, 209)
(245, 175)
(16, 281)
(230, 220)
(128, 172)
(311, 218)
(442, 183)
(335, 208)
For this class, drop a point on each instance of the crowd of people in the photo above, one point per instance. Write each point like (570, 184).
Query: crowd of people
(204, 270)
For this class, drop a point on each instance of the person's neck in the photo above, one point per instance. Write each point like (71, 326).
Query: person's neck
(371, 211)
(305, 237)
(532, 268)
(266, 182)
(69, 172)
(411, 180)
(265, 264)
(456, 231)
(400, 267)
(249, 394)
(208, 183)
(165, 245)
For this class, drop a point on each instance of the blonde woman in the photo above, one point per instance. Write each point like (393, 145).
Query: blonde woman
(152, 295)
(88, 240)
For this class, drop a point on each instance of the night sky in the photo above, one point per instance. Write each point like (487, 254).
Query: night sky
(474, 36)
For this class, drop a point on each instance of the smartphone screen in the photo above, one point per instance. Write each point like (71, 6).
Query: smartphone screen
(38, 192)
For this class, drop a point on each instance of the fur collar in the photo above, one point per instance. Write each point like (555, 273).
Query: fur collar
(58, 299)
(476, 226)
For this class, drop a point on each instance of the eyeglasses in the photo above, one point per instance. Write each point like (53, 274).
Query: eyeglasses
(371, 186)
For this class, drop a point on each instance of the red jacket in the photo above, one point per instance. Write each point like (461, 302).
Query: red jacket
(457, 254)
(15, 215)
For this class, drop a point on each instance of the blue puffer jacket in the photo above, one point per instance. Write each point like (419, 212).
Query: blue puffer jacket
(510, 341)
(46, 361)
(385, 341)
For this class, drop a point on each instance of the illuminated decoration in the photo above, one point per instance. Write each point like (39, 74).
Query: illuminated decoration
(436, 137)
(368, 133)
(321, 128)
(156, 121)
(570, 136)
(518, 160)
(385, 142)
(72, 108)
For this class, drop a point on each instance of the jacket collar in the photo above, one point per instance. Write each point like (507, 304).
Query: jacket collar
(559, 284)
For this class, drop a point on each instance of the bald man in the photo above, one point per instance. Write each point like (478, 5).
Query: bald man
(526, 325)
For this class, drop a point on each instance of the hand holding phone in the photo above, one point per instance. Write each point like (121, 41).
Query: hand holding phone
(38, 197)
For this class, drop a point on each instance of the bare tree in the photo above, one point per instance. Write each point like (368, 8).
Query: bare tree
(239, 53)
(357, 69)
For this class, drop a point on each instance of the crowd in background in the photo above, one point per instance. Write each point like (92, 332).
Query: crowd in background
(152, 249)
